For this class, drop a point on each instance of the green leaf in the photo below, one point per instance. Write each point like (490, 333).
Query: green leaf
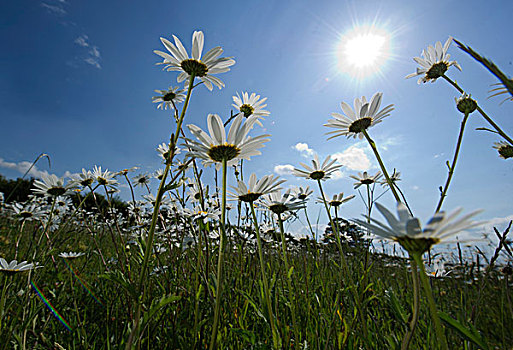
(156, 306)
(396, 306)
(245, 335)
(120, 279)
(290, 271)
(469, 334)
(508, 83)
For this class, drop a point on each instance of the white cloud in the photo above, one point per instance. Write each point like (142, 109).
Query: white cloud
(22, 168)
(385, 144)
(304, 149)
(95, 52)
(55, 9)
(353, 158)
(283, 169)
(92, 56)
(82, 40)
(500, 223)
(93, 62)
(337, 174)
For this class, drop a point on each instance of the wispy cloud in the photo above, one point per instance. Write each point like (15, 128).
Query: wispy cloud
(499, 223)
(22, 168)
(92, 55)
(304, 150)
(353, 158)
(56, 9)
(283, 169)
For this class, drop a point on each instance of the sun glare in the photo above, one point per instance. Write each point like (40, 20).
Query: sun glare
(363, 51)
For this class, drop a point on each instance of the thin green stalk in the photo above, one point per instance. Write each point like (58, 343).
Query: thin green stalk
(443, 193)
(485, 116)
(276, 336)
(345, 267)
(416, 306)
(222, 239)
(431, 302)
(151, 231)
(2, 300)
(289, 282)
(381, 165)
(369, 204)
(197, 284)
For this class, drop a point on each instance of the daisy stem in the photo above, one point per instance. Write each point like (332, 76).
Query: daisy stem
(416, 306)
(289, 271)
(381, 165)
(431, 302)
(222, 239)
(345, 267)
(151, 231)
(184, 109)
(485, 116)
(2, 299)
(452, 166)
(369, 204)
(276, 336)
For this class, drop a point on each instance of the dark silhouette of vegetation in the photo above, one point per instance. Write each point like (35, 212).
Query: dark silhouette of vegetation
(19, 190)
(349, 233)
(16, 190)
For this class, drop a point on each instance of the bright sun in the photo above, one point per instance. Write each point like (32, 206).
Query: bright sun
(362, 51)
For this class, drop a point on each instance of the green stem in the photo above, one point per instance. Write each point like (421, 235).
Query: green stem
(369, 204)
(431, 302)
(345, 266)
(2, 300)
(276, 336)
(416, 306)
(151, 231)
(381, 165)
(485, 116)
(222, 239)
(289, 282)
(443, 193)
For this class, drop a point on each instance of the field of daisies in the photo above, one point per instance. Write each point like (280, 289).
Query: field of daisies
(206, 263)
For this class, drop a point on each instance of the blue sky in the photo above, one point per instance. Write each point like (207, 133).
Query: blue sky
(77, 77)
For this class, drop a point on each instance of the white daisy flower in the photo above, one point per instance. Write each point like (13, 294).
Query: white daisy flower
(434, 63)
(318, 171)
(202, 68)
(13, 267)
(338, 199)
(279, 204)
(365, 179)
(365, 115)
(217, 146)
(163, 150)
(505, 149)
(104, 178)
(395, 177)
(169, 98)
(51, 185)
(255, 189)
(84, 179)
(142, 180)
(70, 255)
(407, 230)
(302, 193)
(250, 105)
(28, 211)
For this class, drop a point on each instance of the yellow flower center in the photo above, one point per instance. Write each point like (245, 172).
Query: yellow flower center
(191, 66)
(223, 152)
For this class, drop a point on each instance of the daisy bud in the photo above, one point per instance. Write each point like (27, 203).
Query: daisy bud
(505, 150)
(465, 104)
